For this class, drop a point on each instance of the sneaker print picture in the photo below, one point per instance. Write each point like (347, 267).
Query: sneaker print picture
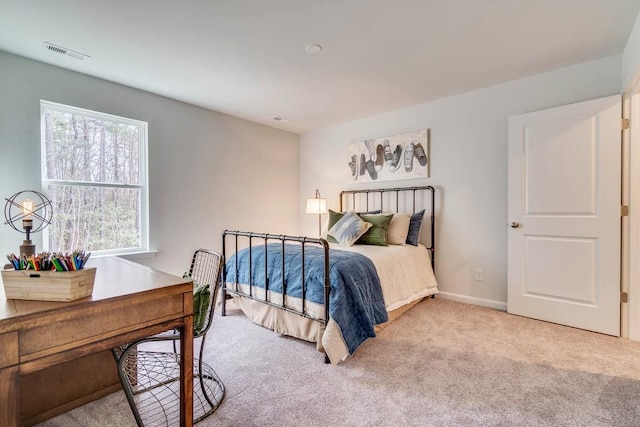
(389, 158)
(379, 157)
(418, 151)
(388, 155)
(408, 158)
(371, 168)
(353, 165)
(370, 149)
(396, 156)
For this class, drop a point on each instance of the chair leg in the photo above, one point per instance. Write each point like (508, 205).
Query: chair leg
(151, 388)
(207, 376)
(125, 381)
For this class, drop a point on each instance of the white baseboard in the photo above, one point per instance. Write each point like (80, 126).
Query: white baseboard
(498, 305)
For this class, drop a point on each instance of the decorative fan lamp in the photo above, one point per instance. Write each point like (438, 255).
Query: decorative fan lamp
(35, 211)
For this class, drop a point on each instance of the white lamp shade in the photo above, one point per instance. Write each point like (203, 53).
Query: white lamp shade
(316, 206)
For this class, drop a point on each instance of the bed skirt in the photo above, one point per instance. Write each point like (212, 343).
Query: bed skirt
(329, 341)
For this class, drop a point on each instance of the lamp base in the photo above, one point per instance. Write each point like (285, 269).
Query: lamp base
(28, 248)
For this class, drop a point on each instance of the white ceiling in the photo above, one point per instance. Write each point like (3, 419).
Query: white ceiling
(247, 58)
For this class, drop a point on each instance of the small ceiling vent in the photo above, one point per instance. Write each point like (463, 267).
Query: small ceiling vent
(64, 51)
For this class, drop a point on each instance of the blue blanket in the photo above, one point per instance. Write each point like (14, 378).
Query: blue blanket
(356, 303)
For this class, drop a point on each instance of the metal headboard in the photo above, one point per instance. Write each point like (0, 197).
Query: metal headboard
(370, 195)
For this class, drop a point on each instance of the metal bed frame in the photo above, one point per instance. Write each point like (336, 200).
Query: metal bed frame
(432, 247)
(265, 238)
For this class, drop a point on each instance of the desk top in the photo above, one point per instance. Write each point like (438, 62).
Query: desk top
(115, 277)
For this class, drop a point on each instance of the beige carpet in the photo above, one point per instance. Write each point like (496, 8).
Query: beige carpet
(441, 364)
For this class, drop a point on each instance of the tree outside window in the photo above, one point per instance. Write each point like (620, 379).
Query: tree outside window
(94, 172)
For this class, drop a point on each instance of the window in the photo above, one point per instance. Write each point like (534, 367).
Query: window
(94, 172)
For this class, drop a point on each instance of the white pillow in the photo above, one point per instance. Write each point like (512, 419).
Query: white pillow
(349, 229)
(398, 229)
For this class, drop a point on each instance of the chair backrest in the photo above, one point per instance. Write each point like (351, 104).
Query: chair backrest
(206, 266)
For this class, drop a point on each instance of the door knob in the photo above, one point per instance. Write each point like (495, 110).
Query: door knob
(514, 225)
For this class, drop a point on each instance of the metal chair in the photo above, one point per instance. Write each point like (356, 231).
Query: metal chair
(150, 375)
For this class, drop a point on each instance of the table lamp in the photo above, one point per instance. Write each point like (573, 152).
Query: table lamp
(317, 205)
(27, 206)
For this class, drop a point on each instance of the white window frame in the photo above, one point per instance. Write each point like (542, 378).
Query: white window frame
(142, 166)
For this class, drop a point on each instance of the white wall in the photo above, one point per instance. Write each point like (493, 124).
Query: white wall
(631, 60)
(207, 171)
(469, 169)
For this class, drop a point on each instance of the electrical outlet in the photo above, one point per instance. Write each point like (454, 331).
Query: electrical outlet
(479, 274)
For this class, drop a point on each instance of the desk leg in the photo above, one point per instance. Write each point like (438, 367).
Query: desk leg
(10, 392)
(186, 373)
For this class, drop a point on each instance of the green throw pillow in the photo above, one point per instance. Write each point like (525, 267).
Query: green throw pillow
(201, 300)
(377, 234)
(333, 218)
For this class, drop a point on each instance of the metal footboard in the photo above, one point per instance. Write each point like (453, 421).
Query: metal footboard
(264, 239)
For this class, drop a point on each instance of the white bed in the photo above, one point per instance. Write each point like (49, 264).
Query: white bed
(405, 274)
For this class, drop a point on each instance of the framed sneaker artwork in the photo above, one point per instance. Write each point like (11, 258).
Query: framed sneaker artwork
(402, 156)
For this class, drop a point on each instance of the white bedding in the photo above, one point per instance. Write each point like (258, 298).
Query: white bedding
(405, 271)
(405, 275)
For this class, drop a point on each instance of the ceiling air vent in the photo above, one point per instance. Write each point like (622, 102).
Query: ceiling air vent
(64, 51)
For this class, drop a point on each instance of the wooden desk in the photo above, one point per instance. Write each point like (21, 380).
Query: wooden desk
(129, 301)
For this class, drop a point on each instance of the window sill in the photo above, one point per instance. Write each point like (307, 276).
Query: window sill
(133, 256)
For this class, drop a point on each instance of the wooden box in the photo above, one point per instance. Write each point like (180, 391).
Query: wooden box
(48, 285)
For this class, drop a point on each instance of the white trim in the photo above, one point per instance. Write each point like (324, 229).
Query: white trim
(134, 256)
(498, 305)
(624, 220)
(131, 255)
(92, 184)
(77, 110)
(634, 220)
(143, 166)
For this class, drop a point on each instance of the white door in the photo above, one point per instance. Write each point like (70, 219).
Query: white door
(564, 215)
